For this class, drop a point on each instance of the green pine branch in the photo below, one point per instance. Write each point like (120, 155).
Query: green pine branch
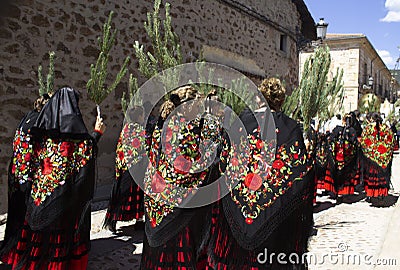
(309, 99)
(96, 85)
(232, 99)
(42, 87)
(133, 95)
(165, 49)
(49, 86)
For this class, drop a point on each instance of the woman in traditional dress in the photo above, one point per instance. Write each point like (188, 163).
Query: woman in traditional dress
(356, 123)
(56, 231)
(126, 201)
(175, 236)
(20, 175)
(377, 143)
(344, 154)
(321, 161)
(269, 209)
(394, 130)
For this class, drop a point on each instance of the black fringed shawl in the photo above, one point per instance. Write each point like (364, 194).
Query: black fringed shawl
(377, 150)
(171, 166)
(132, 148)
(265, 198)
(65, 154)
(20, 174)
(343, 152)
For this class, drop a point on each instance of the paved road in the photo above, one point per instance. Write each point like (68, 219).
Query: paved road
(114, 251)
(350, 235)
(356, 234)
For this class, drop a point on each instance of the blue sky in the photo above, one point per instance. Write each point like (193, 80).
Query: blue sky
(379, 20)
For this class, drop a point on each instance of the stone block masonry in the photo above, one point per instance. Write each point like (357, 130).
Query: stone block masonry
(31, 28)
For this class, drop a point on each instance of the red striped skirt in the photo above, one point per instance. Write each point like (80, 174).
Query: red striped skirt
(375, 185)
(225, 253)
(349, 186)
(56, 248)
(179, 253)
(327, 183)
(127, 208)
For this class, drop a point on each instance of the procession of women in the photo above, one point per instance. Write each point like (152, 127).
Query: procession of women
(264, 179)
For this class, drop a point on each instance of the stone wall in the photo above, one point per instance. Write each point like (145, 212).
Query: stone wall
(31, 28)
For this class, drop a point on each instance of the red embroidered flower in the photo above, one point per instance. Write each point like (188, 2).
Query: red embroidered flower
(157, 183)
(182, 165)
(340, 156)
(28, 157)
(168, 148)
(136, 143)
(121, 155)
(168, 134)
(67, 149)
(47, 166)
(13, 168)
(25, 145)
(389, 137)
(259, 144)
(17, 141)
(278, 164)
(296, 156)
(37, 201)
(153, 223)
(23, 167)
(126, 128)
(382, 149)
(249, 221)
(253, 181)
(235, 162)
(368, 142)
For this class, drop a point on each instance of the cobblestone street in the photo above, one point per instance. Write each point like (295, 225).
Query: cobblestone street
(350, 235)
(356, 235)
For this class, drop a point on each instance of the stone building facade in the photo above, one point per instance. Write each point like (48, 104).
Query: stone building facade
(265, 33)
(359, 60)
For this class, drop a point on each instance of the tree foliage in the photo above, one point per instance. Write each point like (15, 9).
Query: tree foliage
(96, 86)
(315, 96)
(165, 49)
(132, 94)
(334, 96)
(49, 86)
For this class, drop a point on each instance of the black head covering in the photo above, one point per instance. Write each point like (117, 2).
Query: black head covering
(61, 120)
(28, 121)
(61, 117)
(356, 124)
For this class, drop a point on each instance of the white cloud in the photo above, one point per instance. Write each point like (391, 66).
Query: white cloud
(387, 58)
(393, 5)
(393, 15)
